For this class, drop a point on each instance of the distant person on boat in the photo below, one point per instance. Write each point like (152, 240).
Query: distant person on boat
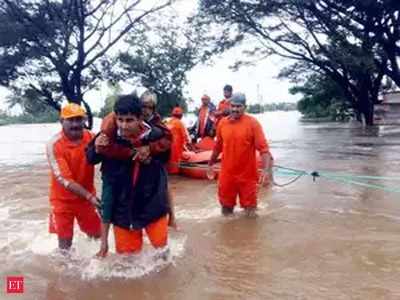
(204, 126)
(72, 192)
(180, 139)
(239, 136)
(224, 106)
(136, 195)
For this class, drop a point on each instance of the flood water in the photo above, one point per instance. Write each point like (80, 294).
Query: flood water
(312, 240)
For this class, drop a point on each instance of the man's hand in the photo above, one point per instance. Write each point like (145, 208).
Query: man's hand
(101, 141)
(265, 177)
(94, 200)
(143, 153)
(210, 172)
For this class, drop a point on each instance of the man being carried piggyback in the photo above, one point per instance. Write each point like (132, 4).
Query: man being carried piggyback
(135, 190)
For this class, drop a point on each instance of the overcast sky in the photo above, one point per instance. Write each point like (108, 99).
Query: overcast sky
(257, 82)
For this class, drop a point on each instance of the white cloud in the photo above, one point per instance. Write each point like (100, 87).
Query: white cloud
(259, 82)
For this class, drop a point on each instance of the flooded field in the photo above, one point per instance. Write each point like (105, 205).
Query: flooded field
(312, 240)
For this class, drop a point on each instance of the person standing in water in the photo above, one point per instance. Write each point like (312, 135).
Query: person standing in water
(136, 186)
(180, 138)
(239, 136)
(105, 143)
(72, 191)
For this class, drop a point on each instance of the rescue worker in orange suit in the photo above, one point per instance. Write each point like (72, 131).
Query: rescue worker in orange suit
(180, 138)
(239, 136)
(72, 191)
(204, 126)
(224, 106)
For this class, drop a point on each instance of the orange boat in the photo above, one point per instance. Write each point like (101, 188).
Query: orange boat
(206, 143)
(195, 164)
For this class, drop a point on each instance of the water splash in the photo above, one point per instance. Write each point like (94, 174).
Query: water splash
(133, 266)
(81, 258)
(35, 248)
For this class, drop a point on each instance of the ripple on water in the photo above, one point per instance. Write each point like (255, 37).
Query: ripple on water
(213, 211)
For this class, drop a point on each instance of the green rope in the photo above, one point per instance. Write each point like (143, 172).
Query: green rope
(337, 177)
(289, 182)
(342, 178)
(368, 185)
(287, 170)
(279, 172)
(360, 176)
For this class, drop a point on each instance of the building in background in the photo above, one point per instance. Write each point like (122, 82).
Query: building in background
(387, 112)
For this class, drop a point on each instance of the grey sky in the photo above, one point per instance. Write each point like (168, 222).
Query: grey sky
(257, 82)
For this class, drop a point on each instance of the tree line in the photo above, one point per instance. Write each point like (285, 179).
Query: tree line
(53, 50)
(260, 108)
(353, 44)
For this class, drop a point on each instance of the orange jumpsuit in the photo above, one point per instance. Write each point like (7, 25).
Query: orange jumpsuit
(68, 164)
(180, 137)
(223, 105)
(238, 140)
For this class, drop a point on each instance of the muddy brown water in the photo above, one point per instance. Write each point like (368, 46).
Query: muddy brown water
(312, 240)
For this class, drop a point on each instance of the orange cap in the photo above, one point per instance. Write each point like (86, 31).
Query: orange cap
(72, 110)
(177, 111)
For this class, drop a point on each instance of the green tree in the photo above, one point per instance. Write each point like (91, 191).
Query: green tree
(322, 98)
(115, 90)
(255, 108)
(160, 58)
(377, 21)
(325, 36)
(62, 48)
